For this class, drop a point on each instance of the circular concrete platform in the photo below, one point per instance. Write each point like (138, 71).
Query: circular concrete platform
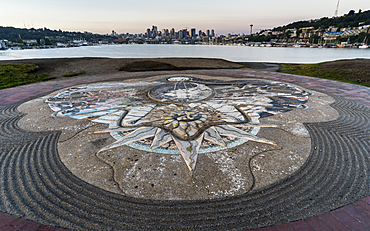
(36, 184)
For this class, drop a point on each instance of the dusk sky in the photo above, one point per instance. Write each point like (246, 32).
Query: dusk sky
(135, 16)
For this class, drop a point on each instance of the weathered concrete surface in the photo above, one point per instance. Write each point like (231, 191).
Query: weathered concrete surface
(141, 174)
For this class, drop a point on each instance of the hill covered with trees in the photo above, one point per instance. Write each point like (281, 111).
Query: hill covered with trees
(50, 36)
(351, 19)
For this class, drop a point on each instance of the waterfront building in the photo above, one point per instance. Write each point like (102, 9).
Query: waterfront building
(307, 29)
(208, 33)
(212, 33)
(2, 45)
(218, 40)
(328, 36)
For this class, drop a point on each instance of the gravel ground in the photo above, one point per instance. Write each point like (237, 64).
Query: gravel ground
(96, 66)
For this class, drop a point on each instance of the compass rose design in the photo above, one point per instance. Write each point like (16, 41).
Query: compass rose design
(181, 114)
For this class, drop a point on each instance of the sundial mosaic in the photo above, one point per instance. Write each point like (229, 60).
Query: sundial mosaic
(179, 114)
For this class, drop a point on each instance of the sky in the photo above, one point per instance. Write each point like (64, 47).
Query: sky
(124, 16)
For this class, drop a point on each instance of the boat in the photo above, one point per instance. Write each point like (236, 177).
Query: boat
(363, 45)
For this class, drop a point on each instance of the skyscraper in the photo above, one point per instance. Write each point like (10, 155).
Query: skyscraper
(163, 33)
(183, 33)
(192, 33)
(212, 33)
(148, 33)
(154, 31)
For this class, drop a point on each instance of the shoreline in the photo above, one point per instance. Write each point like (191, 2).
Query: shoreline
(250, 44)
(230, 53)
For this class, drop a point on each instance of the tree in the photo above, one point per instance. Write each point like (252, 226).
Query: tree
(48, 42)
(354, 24)
(299, 32)
(315, 38)
(288, 34)
(351, 12)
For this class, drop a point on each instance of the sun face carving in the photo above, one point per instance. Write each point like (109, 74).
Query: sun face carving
(182, 115)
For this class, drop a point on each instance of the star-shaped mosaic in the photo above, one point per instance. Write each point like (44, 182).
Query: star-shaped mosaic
(179, 115)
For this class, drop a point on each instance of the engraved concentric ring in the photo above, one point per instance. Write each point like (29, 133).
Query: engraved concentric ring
(36, 185)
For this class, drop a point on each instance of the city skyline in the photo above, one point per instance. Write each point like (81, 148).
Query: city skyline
(136, 17)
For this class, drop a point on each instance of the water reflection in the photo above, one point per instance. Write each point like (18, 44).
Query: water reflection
(232, 53)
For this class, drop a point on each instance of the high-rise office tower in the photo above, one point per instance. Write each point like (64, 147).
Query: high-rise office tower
(192, 33)
(154, 31)
(148, 33)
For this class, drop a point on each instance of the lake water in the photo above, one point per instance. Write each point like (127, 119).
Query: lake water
(232, 53)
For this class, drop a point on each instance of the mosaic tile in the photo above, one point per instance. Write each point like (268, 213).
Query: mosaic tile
(196, 115)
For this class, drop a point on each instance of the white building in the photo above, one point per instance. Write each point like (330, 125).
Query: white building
(2, 45)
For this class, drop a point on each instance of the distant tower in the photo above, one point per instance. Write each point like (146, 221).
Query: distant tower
(183, 33)
(336, 10)
(192, 33)
(148, 33)
(251, 31)
(154, 31)
(212, 33)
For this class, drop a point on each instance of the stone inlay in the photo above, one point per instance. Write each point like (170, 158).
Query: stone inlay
(36, 184)
(180, 115)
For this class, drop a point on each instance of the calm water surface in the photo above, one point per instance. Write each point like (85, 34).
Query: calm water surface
(232, 53)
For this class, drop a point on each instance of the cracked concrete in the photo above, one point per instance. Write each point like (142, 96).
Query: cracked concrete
(136, 173)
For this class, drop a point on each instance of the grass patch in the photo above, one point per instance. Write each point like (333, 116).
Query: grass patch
(338, 74)
(12, 75)
(73, 73)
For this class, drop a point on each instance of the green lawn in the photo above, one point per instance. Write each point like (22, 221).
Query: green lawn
(12, 75)
(353, 76)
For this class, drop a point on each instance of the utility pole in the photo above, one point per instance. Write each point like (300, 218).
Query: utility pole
(336, 10)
